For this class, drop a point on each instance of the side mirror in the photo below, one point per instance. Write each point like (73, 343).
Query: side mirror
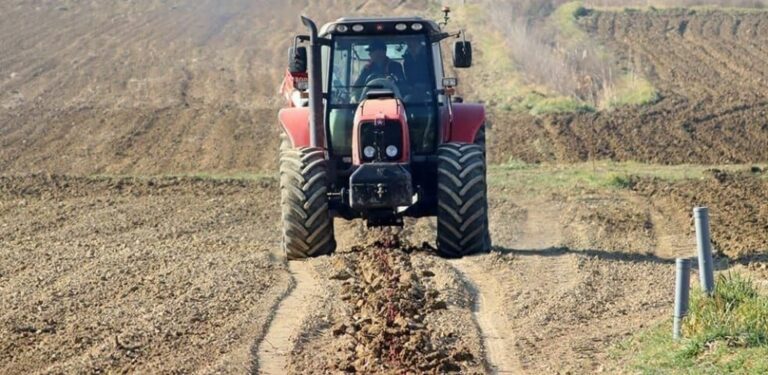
(297, 60)
(462, 54)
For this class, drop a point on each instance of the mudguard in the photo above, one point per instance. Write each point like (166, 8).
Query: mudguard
(467, 121)
(295, 123)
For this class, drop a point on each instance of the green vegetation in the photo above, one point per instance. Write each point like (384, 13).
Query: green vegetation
(501, 82)
(630, 90)
(627, 90)
(559, 104)
(735, 6)
(565, 19)
(534, 178)
(727, 333)
(508, 91)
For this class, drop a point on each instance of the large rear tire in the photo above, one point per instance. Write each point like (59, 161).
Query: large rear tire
(480, 141)
(462, 208)
(307, 223)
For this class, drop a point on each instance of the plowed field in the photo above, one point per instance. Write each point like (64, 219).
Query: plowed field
(108, 274)
(710, 69)
(149, 87)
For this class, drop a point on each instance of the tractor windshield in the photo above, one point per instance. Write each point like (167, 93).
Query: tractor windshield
(400, 63)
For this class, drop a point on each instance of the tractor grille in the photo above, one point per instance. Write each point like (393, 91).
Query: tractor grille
(391, 134)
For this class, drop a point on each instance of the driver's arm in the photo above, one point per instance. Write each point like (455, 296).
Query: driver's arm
(397, 71)
(364, 74)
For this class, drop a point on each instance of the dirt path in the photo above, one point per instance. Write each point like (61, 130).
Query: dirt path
(535, 232)
(545, 308)
(275, 348)
(540, 229)
(498, 340)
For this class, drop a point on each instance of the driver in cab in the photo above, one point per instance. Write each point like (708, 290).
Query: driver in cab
(380, 65)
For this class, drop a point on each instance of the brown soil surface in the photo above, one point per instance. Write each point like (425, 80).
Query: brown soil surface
(184, 275)
(146, 276)
(737, 203)
(159, 87)
(150, 87)
(710, 69)
(387, 312)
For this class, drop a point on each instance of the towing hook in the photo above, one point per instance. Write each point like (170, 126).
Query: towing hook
(380, 190)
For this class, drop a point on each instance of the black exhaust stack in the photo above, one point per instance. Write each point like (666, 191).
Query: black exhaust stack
(316, 118)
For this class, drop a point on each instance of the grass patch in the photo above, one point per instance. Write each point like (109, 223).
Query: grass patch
(508, 90)
(490, 60)
(663, 5)
(565, 19)
(560, 104)
(630, 90)
(534, 178)
(727, 333)
(515, 165)
(627, 90)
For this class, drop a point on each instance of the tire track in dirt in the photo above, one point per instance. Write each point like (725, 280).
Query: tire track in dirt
(275, 348)
(545, 306)
(498, 340)
(539, 230)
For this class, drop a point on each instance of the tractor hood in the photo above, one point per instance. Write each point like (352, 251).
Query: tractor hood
(387, 116)
(373, 109)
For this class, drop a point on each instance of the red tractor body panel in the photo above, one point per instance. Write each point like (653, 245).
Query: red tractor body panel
(466, 122)
(373, 110)
(295, 122)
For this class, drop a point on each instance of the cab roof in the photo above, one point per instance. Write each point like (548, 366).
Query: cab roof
(431, 27)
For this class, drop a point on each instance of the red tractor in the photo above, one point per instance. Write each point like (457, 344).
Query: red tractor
(373, 131)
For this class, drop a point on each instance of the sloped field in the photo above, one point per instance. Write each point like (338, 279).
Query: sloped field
(185, 275)
(150, 87)
(710, 69)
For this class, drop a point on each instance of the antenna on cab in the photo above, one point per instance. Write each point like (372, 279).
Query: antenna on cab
(446, 15)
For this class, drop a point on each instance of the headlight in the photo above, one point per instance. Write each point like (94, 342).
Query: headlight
(401, 27)
(342, 28)
(358, 28)
(391, 151)
(298, 99)
(301, 84)
(369, 152)
(417, 27)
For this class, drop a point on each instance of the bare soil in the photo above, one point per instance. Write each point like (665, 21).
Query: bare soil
(182, 275)
(737, 202)
(150, 87)
(709, 68)
(147, 276)
(183, 87)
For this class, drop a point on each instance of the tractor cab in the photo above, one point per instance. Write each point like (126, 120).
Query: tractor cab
(368, 100)
(395, 56)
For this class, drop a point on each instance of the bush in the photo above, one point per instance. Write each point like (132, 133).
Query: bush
(722, 334)
(736, 314)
